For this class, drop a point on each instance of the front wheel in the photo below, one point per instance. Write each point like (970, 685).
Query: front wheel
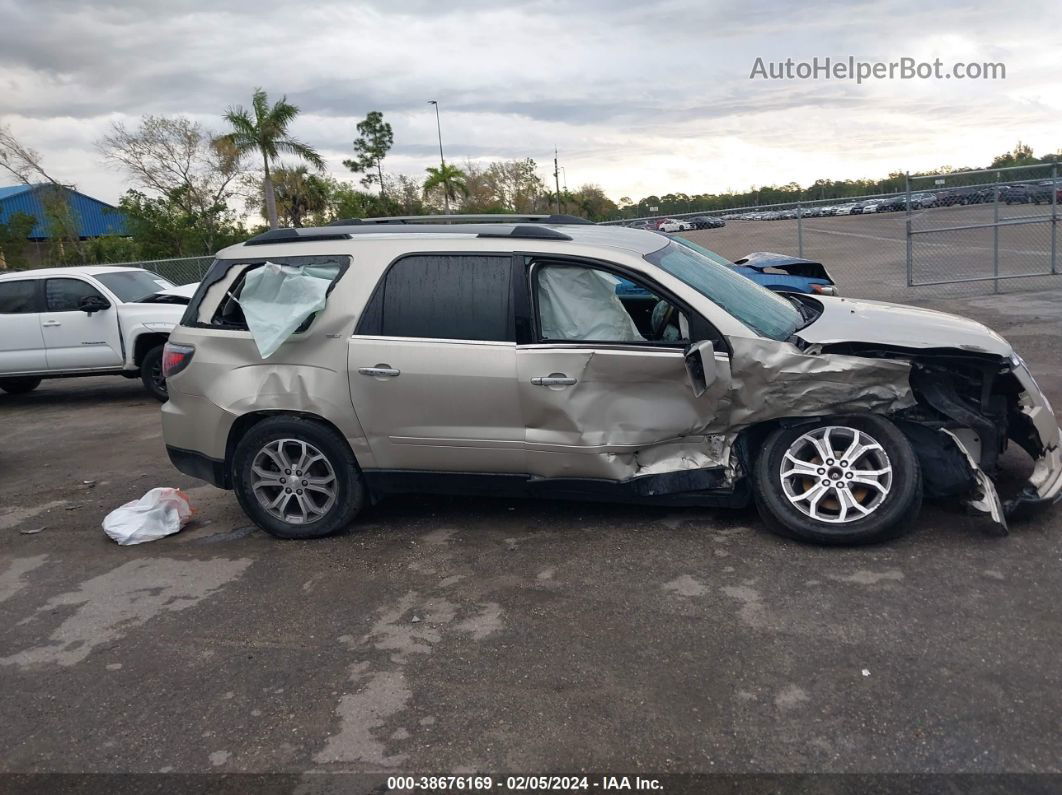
(297, 478)
(151, 374)
(19, 386)
(843, 480)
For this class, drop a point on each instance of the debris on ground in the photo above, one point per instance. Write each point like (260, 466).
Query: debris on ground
(159, 513)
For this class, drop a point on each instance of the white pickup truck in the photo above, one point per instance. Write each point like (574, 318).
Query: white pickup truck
(62, 322)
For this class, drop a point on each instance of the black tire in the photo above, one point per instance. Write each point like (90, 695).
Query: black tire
(151, 374)
(893, 516)
(349, 497)
(19, 386)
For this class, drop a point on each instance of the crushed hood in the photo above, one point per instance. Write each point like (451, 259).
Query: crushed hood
(876, 322)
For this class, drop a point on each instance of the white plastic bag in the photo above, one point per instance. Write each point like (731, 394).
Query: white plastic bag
(159, 513)
(277, 299)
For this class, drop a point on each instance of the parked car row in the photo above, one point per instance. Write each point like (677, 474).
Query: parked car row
(678, 224)
(1022, 193)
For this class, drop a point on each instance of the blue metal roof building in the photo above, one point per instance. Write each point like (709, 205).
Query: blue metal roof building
(94, 218)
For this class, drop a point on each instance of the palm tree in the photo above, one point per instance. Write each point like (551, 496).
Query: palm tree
(266, 132)
(450, 178)
(299, 194)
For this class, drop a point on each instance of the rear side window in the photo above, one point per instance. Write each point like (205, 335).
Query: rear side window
(229, 314)
(443, 296)
(18, 298)
(64, 295)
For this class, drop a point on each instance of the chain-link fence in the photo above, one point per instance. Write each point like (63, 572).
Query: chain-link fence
(180, 270)
(962, 234)
(985, 231)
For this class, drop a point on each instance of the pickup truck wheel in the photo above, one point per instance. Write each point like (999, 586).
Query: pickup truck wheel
(151, 374)
(841, 480)
(297, 478)
(19, 386)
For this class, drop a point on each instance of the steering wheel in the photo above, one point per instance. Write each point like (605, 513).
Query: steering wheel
(663, 313)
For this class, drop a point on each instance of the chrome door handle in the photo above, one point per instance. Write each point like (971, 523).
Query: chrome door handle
(380, 372)
(50, 323)
(553, 380)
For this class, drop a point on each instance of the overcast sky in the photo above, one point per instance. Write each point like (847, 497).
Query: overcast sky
(639, 97)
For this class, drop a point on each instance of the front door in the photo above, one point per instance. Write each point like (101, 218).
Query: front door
(21, 341)
(74, 339)
(604, 385)
(432, 367)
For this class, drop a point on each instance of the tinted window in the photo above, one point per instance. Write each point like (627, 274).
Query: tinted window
(133, 285)
(18, 298)
(444, 297)
(64, 295)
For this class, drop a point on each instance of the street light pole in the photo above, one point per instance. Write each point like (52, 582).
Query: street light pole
(442, 160)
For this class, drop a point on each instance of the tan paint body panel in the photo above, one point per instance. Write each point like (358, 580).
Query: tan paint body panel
(631, 410)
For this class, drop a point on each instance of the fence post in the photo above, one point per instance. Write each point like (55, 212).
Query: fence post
(995, 235)
(1054, 217)
(800, 230)
(910, 238)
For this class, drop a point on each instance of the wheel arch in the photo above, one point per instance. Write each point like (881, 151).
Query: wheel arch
(245, 422)
(145, 342)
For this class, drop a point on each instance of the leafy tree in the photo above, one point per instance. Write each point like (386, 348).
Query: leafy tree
(14, 240)
(27, 167)
(162, 227)
(178, 158)
(516, 186)
(300, 195)
(264, 130)
(1021, 155)
(447, 179)
(371, 147)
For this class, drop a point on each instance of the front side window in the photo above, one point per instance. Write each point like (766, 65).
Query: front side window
(133, 285)
(444, 296)
(578, 303)
(65, 295)
(757, 307)
(18, 298)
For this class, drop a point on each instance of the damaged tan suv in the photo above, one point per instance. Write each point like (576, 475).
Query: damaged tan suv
(316, 370)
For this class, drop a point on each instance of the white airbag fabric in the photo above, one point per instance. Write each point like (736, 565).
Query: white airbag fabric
(581, 304)
(277, 299)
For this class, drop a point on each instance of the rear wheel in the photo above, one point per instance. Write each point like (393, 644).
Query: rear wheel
(844, 480)
(151, 374)
(19, 386)
(297, 478)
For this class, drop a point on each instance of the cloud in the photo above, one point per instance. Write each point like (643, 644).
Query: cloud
(639, 97)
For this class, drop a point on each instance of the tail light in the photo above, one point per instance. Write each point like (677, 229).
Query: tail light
(824, 289)
(175, 357)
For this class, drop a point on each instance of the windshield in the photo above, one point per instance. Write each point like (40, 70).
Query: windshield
(757, 307)
(131, 286)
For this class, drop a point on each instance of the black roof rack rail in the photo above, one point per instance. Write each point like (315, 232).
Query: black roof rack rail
(290, 235)
(530, 232)
(317, 233)
(488, 218)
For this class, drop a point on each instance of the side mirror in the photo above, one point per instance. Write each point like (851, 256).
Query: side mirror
(700, 366)
(93, 303)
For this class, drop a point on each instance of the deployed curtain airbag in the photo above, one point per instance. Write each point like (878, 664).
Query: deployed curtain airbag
(277, 299)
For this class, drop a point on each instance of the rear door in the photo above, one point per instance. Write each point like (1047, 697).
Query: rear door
(603, 381)
(74, 339)
(21, 340)
(432, 366)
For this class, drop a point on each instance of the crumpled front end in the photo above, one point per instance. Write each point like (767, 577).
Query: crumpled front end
(1042, 438)
(1011, 408)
